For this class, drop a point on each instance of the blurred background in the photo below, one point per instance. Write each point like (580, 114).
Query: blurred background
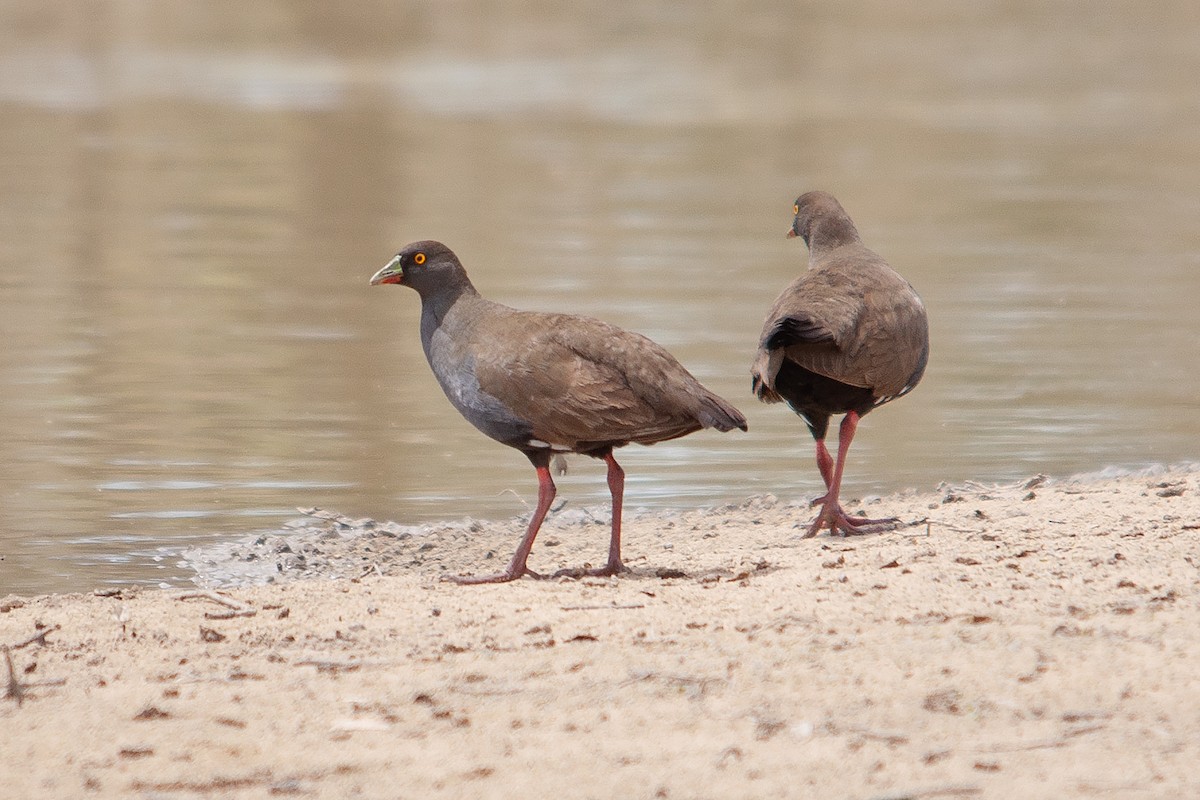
(193, 196)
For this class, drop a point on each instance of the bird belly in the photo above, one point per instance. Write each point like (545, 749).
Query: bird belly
(816, 397)
(486, 413)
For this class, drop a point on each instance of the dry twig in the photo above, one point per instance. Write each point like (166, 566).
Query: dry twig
(39, 637)
(1043, 744)
(331, 666)
(890, 737)
(237, 607)
(15, 690)
(952, 790)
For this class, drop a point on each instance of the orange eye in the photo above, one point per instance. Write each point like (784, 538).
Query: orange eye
(796, 208)
(419, 259)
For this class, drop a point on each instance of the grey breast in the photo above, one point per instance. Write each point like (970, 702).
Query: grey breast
(453, 363)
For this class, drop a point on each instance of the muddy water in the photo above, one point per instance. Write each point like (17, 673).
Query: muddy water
(194, 198)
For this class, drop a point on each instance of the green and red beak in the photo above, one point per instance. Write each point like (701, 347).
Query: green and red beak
(392, 273)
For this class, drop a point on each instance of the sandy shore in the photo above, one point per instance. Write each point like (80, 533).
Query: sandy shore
(1039, 640)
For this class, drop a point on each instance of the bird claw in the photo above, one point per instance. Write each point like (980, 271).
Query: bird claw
(838, 521)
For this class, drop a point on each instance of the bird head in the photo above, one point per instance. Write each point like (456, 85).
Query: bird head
(820, 217)
(425, 266)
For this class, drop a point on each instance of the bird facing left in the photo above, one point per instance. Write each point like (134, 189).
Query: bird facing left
(547, 384)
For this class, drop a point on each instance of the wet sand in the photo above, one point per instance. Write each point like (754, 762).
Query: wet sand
(1033, 640)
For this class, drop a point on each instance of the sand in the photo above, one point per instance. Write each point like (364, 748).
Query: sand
(1039, 640)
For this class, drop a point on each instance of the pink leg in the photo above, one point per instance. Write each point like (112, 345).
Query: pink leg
(616, 485)
(832, 516)
(825, 464)
(517, 567)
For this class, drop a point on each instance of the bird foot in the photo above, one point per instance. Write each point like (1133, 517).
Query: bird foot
(838, 521)
(499, 577)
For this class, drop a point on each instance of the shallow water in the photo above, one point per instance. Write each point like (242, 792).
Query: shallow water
(193, 200)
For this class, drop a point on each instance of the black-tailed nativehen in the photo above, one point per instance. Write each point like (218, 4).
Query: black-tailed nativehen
(847, 336)
(549, 383)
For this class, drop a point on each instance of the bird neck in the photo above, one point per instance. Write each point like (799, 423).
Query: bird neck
(436, 305)
(439, 298)
(829, 232)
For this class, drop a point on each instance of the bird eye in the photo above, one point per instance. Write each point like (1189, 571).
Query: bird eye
(419, 259)
(796, 208)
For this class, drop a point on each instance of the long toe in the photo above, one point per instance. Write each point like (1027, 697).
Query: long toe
(852, 526)
(838, 521)
(854, 522)
(499, 577)
(822, 521)
(863, 522)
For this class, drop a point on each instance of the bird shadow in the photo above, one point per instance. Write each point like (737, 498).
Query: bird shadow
(733, 574)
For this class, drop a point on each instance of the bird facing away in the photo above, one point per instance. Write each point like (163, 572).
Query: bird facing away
(847, 336)
(549, 383)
